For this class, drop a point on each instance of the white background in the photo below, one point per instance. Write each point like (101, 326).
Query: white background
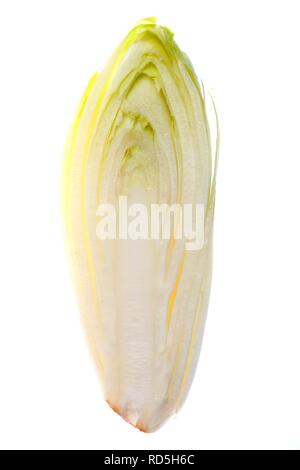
(246, 393)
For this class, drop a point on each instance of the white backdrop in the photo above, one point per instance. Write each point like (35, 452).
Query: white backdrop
(247, 387)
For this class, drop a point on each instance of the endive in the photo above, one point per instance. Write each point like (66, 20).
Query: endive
(141, 131)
